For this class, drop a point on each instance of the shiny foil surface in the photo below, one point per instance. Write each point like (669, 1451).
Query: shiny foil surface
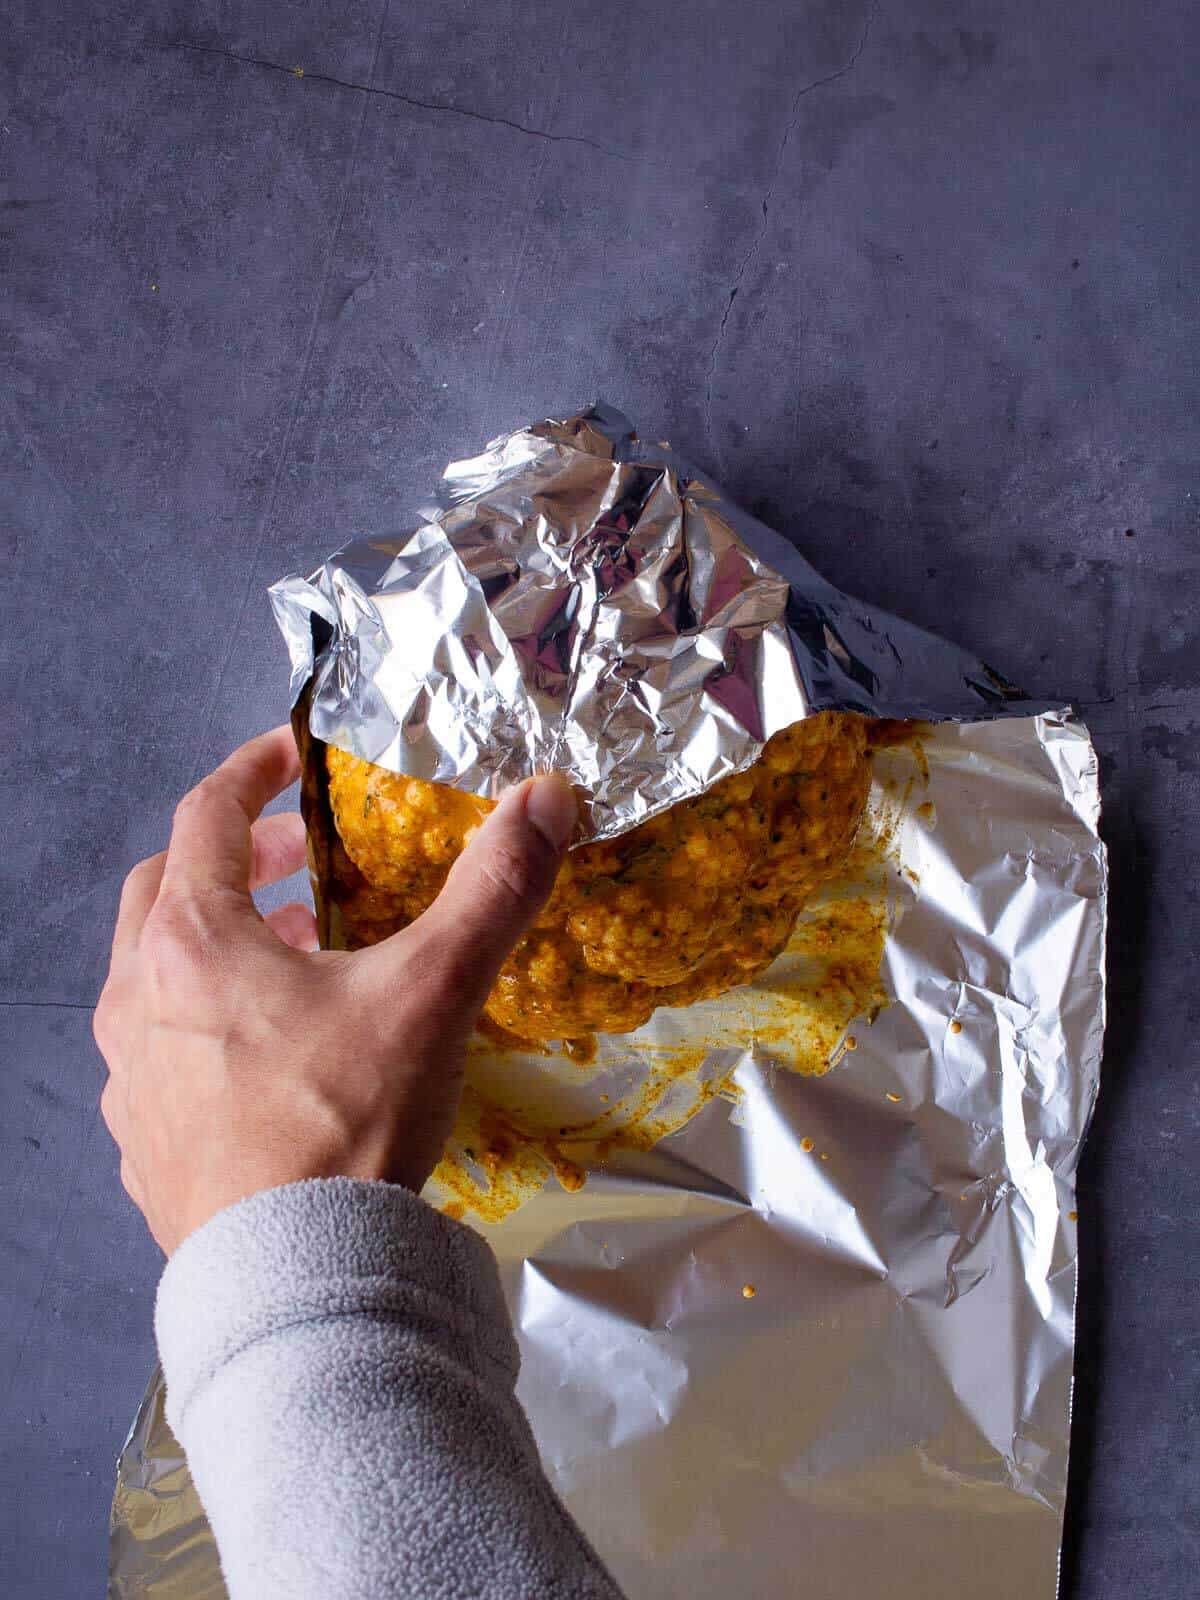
(819, 1340)
(586, 602)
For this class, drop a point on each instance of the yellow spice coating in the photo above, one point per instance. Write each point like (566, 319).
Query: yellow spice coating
(679, 909)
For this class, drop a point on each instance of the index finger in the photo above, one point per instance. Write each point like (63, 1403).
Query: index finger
(210, 838)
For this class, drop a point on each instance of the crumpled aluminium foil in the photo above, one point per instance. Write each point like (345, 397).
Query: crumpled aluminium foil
(586, 602)
(887, 1411)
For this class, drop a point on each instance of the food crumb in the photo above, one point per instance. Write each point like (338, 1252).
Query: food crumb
(1072, 1216)
(956, 1026)
(581, 1049)
(894, 1098)
(851, 1042)
(806, 1145)
(297, 72)
(748, 1291)
(824, 1155)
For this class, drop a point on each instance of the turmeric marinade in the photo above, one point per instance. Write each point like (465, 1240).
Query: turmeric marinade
(681, 908)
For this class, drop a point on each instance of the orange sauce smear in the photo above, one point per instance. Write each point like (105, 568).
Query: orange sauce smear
(794, 1016)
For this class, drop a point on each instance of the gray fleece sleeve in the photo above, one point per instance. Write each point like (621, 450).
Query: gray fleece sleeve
(340, 1369)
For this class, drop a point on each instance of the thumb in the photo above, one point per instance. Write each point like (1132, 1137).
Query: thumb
(498, 885)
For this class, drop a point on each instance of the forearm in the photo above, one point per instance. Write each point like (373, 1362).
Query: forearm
(340, 1370)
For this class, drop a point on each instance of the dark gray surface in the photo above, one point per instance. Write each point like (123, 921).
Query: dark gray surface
(244, 314)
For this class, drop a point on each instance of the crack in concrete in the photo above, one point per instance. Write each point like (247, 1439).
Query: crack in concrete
(46, 1005)
(403, 99)
(768, 196)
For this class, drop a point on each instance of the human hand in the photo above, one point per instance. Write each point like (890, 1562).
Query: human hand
(241, 1057)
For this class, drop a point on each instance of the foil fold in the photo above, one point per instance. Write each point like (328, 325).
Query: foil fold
(587, 601)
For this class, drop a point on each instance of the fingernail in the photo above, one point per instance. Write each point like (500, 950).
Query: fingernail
(550, 805)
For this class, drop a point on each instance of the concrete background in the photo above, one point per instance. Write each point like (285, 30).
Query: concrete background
(918, 281)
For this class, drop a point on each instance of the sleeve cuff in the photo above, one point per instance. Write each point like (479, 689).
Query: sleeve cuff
(327, 1249)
